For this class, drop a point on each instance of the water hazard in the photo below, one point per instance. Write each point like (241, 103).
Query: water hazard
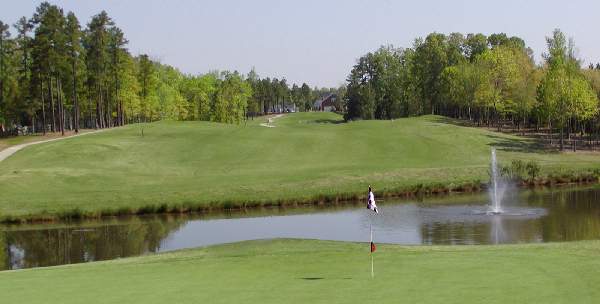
(529, 216)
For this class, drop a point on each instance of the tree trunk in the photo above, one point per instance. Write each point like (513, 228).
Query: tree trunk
(97, 118)
(550, 131)
(53, 126)
(75, 103)
(43, 106)
(561, 138)
(1, 72)
(96, 122)
(108, 113)
(61, 110)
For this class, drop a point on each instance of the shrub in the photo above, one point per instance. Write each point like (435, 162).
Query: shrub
(533, 170)
(596, 174)
(516, 170)
(520, 170)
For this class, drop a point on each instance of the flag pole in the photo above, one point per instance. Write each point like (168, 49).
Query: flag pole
(372, 269)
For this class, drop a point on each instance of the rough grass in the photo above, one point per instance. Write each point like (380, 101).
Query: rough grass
(306, 271)
(183, 166)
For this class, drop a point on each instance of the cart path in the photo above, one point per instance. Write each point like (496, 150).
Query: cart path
(270, 120)
(4, 154)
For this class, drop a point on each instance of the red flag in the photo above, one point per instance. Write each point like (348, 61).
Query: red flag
(373, 247)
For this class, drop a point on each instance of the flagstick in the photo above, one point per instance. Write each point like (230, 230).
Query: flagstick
(372, 270)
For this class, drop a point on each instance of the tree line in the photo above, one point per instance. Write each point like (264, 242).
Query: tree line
(57, 75)
(489, 80)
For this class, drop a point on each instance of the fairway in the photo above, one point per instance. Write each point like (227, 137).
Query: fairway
(305, 271)
(304, 157)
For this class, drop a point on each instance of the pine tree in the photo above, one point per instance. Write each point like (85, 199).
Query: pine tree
(97, 61)
(145, 77)
(74, 52)
(4, 53)
(117, 50)
(23, 45)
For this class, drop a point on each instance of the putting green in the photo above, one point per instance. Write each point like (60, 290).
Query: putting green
(306, 271)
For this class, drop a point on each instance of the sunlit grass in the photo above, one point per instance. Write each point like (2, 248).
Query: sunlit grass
(182, 166)
(306, 271)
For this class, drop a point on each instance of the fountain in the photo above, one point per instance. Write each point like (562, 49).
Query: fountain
(497, 188)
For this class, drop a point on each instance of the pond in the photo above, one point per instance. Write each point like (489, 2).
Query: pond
(530, 216)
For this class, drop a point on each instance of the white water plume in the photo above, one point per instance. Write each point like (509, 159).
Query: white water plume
(497, 187)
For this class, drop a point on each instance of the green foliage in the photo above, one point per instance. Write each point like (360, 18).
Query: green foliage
(428, 63)
(520, 170)
(7, 72)
(374, 86)
(199, 92)
(564, 93)
(231, 100)
(64, 76)
(508, 81)
(485, 79)
(515, 171)
(533, 170)
(460, 85)
(452, 75)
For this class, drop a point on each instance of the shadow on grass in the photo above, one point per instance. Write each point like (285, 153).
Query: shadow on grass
(523, 144)
(328, 121)
(453, 121)
(320, 278)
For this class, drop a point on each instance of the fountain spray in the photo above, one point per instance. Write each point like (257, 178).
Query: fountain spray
(495, 193)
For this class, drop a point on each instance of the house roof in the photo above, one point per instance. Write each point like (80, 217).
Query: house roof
(327, 99)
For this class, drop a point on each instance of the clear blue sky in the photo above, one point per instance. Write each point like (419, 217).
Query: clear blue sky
(317, 42)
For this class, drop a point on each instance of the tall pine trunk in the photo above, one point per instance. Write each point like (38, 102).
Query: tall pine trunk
(97, 118)
(75, 103)
(61, 105)
(561, 138)
(550, 131)
(43, 106)
(53, 126)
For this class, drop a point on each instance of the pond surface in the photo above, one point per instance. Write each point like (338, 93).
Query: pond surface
(531, 216)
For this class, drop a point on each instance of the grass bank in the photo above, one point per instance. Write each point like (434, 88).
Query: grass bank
(305, 158)
(306, 271)
(18, 140)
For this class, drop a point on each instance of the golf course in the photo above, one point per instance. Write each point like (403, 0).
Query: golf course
(299, 152)
(309, 157)
(301, 271)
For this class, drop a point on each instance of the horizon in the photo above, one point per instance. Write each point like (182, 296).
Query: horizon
(315, 43)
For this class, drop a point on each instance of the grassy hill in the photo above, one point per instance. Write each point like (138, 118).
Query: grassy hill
(305, 271)
(180, 165)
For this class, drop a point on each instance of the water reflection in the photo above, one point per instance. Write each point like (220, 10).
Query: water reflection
(531, 216)
(66, 245)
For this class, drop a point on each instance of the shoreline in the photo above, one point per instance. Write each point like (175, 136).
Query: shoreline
(429, 190)
(282, 270)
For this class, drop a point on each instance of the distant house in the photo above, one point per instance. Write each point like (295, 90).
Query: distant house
(326, 104)
(288, 108)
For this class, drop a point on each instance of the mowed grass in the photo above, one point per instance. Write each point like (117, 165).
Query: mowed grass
(307, 155)
(17, 140)
(306, 271)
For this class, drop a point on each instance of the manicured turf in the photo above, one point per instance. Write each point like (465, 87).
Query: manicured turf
(304, 271)
(17, 140)
(202, 163)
